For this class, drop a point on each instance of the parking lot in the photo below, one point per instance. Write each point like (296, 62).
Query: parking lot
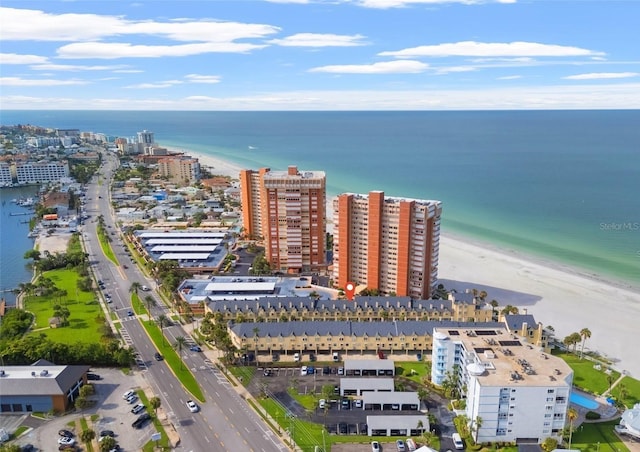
(113, 413)
(340, 416)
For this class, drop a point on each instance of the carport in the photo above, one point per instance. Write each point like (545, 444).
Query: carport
(397, 401)
(409, 425)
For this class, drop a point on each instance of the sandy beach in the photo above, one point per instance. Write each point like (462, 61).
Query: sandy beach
(565, 298)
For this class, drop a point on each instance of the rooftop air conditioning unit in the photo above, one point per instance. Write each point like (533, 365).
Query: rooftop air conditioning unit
(44, 373)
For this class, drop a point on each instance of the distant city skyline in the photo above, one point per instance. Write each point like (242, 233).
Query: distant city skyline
(319, 55)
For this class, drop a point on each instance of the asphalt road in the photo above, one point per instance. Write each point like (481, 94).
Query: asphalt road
(225, 421)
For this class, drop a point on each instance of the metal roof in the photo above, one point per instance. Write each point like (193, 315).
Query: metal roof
(182, 241)
(369, 364)
(166, 235)
(400, 398)
(239, 287)
(366, 383)
(400, 422)
(187, 256)
(188, 248)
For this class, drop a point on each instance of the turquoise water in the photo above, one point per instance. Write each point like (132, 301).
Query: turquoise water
(583, 401)
(562, 185)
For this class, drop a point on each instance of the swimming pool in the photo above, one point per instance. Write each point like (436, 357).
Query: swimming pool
(583, 401)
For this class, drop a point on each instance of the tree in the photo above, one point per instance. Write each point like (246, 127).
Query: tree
(87, 435)
(61, 312)
(108, 443)
(180, 344)
(584, 334)
(162, 321)
(572, 340)
(572, 415)
(155, 403)
(82, 402)
(150, 302)
(135, 287)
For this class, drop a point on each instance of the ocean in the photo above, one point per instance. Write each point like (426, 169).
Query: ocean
(559, 185)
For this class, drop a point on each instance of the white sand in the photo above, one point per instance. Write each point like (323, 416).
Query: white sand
(215, 166)
(559, 296)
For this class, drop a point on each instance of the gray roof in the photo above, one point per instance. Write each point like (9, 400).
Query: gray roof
(351, 328)
(369, 364)
(301, 303)
(391, 397)
(515, 321)
(397, 422)
(18, 380)
(365, 383)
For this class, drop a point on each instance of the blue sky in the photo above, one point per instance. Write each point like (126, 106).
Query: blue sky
(319, 55)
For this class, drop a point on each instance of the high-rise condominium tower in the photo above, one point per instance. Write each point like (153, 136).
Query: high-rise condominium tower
(286, 209)
(386, 243)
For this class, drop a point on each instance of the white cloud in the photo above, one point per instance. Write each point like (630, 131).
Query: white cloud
(157, 85)
(17, 81)
(195, 78)
(128, 71)
(103, 50)
(387, 67)
(92, 27)
(579, 96)
(451, 69)
(491, 49)
(14, 58)
(602, 75)
(71, 67)
(319, 40)
(510, 77)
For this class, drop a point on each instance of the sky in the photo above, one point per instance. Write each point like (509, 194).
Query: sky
(319, 54)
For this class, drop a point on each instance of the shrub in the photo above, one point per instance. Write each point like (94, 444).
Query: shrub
(592, 415)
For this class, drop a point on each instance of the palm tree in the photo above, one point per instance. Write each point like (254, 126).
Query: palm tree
(572, 415)
(180, 344)
(155, 403)
(585, 334)
(87, 436)
(149, 301)
(162, 320)
(135, 287)
(256, 330)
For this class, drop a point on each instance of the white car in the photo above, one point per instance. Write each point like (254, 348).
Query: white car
(128, 394)
(296, 357)
(192, 406)
(65, 440)
(322, 403)
(132, 398)
(303, 370)
(136, 409)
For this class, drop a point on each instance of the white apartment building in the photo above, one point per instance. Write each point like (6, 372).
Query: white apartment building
(5, 174)
(516, 391)
(39, 172)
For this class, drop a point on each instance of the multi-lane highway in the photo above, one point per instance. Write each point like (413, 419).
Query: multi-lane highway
(225, 421)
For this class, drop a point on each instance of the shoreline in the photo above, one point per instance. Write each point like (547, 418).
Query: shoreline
(566, 297)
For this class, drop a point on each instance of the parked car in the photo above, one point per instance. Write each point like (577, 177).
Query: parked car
(128, 394)
(400, 446)
(457, 441)
(357, 403)
(336, 357)
(65, 433)
(64, 440)
(375, 446)
(311, 370)
(266, 373)
(303, 370)
(296, 357)
(107, 433)
(137, 409)
(322, 403)
(91, 376)
(142, 419)
(132, 398)
(340, 370)
(192, 406)
(411, 444)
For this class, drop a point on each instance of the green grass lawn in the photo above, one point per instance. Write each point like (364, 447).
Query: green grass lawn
(585, 375)
(172, 359)
(597, 437)
(413, 370)
(244, 374)
(632, 387)
(106, 249)
(84, 309)
(164, 440)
